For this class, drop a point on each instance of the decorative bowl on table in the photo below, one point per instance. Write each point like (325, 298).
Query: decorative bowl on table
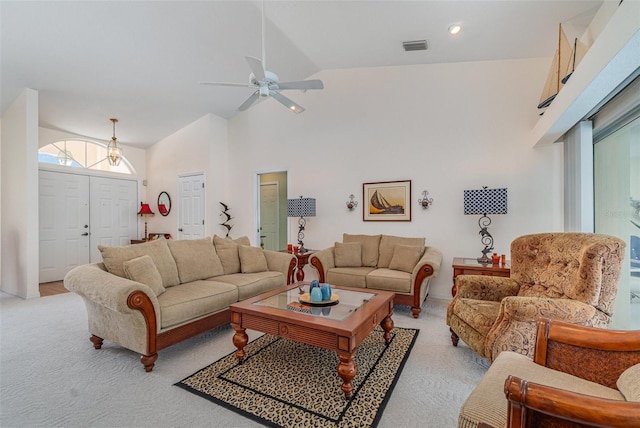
(306, 299)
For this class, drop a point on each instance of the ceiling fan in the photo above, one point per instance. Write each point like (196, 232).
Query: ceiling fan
(266, 83)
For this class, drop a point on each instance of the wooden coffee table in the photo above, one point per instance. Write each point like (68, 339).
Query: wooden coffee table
(341, 327)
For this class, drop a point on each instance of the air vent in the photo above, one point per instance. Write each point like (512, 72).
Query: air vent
(416, 45)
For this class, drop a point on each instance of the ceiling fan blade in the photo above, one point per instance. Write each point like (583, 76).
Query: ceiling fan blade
(302, 85)
(286, 102)
(257, 68)
(252, 99)
(241, 85)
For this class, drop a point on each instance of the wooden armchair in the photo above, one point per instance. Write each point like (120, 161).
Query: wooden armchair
(571, 382)
(592, 354)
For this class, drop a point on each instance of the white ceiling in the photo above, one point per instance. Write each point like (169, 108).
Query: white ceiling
(141, 61)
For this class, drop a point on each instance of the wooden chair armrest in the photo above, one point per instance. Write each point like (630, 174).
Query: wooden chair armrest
(531, 404)
(595, 354)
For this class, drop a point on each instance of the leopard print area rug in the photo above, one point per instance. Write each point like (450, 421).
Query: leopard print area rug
(283, 383)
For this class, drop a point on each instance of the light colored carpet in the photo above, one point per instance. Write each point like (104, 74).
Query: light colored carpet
(50, 375)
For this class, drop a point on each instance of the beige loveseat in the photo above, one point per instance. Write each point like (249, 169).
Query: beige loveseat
(381, 262)
(146, 297)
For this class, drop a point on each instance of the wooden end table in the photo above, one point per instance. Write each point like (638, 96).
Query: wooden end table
(302, 259)
(470, 266)
(341, 329)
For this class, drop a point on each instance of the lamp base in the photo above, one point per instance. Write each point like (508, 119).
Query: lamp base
(484, 260)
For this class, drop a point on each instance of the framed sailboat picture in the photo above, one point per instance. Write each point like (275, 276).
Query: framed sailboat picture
(386, 201)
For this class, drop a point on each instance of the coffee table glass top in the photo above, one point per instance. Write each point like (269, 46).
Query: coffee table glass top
(348, 302)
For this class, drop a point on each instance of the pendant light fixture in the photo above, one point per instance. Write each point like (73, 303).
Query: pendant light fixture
(114, 151)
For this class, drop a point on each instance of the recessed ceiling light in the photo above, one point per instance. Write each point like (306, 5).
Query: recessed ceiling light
(455, 29)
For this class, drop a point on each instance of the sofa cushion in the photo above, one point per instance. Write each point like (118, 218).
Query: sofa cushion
(158, 250)
(370, 244)
(487, 402)
(227, 250)
(252, 259)
(349, 276)
(348, 254)
(252, 284)
(195, 299)
(388, 243)
(405, 257)
(388, 279)
(141, 269)
(195, 259)
(629, 383)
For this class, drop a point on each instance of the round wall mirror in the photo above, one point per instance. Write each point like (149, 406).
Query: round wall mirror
(164, 203)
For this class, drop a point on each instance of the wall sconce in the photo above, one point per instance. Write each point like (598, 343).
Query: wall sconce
(352, 203)
(426, 200)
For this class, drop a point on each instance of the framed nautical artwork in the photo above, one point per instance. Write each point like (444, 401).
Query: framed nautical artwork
(386, 201)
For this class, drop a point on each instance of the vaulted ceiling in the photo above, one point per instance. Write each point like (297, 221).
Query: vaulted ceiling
(141, 61)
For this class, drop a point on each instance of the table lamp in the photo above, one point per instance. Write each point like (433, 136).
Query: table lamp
(485, 201)
(302, 207)
(145, 211)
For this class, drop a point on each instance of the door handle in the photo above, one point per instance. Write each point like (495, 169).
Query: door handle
(85, 234)
(180, 230)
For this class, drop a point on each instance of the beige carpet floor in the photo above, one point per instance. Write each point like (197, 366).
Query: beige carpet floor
(50, 375)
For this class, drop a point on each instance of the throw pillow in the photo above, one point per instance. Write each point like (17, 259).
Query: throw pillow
(158, 250)
(252, 259)
(195, 259)
(370, 244)
(405, 257)
(227, 250)
(143, 270)
(387, 245)
(348, 254)
(629, 383)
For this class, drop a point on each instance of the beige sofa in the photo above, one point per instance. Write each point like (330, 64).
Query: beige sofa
(146, 297)
(381, 262)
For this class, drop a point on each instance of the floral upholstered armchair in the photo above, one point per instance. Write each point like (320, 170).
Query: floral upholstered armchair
(572, 277)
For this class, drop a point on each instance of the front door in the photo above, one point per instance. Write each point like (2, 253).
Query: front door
(113, 213)
(64, 223)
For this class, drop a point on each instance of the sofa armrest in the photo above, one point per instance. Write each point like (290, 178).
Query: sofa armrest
(580, 350)
(322, 261)
(483, 287)
(431, 261)
(106, 289)
(544, 404)
(281, 262)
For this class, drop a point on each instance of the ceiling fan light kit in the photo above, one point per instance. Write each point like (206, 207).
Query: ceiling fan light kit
(266, 83)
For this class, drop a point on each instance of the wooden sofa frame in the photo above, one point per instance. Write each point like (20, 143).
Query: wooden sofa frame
(594, 354)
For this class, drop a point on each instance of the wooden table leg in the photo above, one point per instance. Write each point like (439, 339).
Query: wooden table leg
(387, 326)
(347, 371)
(240, 339)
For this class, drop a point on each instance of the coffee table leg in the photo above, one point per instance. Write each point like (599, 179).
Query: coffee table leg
(240, 339)
(347, 371)
(387, 326)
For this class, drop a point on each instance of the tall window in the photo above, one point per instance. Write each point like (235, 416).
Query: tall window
(81, 154)
(617, 186)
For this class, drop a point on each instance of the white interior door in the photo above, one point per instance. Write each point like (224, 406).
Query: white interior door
(64, 223)
(269, 230)
(191, 212)
(114, 221)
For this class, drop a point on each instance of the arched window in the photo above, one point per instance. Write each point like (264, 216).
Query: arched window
(81, 154)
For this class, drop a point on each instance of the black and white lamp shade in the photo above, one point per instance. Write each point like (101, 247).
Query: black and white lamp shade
(485, 201)
(301, 207)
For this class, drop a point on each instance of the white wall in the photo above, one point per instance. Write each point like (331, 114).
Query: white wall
(446, 127)
(20, 197)
(198, 147)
